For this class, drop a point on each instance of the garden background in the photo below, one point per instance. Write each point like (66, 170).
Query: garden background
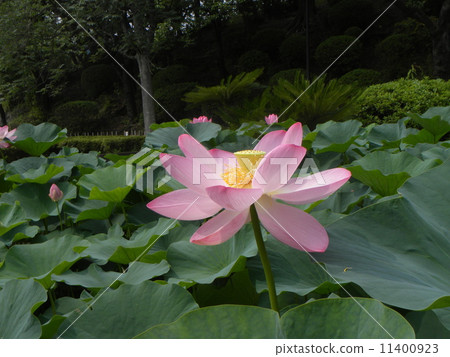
(375, 102)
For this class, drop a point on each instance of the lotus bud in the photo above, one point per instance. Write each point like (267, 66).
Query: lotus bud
(55, 193)
(271, 119)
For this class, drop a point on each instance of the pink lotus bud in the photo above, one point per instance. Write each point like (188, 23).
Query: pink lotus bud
(201, 119)
(5, 133)
(271, 119)
(55, 193)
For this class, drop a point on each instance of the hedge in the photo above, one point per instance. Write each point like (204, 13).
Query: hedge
(105, 144)
(391, 101)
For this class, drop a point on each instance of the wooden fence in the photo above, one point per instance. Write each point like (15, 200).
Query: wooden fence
(108, 133)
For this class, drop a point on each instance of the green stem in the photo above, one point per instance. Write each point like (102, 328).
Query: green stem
(59, 216)
(264, 258)
(52, 300)
(45, 225)
(126, 221)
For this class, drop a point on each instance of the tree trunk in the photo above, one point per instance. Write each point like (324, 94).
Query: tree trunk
(441, 43)
(129, 89)
(2, 116)
(148, 104)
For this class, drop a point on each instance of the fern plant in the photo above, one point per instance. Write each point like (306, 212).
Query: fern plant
(231, 101)
(318, 101)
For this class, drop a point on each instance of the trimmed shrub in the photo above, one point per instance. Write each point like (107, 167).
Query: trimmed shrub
(98, 79)
(77, 116)
(331, 48)
(348, 13)
(252, 60)
(389, 102)
(409, 45)
(293, 50)
(105, 144)
(354, 31)
(361, 77)
(395, 54)
(176, 73)
(422, 37)
(268, 40)
(170, 98)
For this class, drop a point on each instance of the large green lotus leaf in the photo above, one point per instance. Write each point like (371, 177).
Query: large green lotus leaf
(32, 169)
(385, 172)
(124, 251)
(437, 152)
(139, 272)
(169, 136)
(55, 316)
(35, 140)
(90, 160)
(23, 231)
(203, 264)
(293, 271)
(389, 135)
(11, 216)
(35, 201)
(3, 251)
(41, 260)
(238, 289)
(436, 120)
(130, 310)
(95, 277)
(182, 232)
(427, 325)
(429, 151)
(107, 184)
(345, 199)
(225, 321)
(92, 277)
(18, 300)
(82, 209)
(336, 137)
(423, 136)
(397, 250)
(345, 318)
(444, 316)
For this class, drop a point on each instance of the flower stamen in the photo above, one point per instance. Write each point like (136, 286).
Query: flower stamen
(242, 175)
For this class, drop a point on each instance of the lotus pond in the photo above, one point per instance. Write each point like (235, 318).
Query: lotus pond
(83, 256)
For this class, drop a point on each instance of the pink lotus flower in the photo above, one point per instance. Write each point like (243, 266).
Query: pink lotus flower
(4, 133)
(262, 177)
(201, 119)
(55, 193)
(271, 119)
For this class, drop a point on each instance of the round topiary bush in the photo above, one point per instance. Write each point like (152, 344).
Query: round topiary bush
(332, 48)
(268, 40)
(98, 79)
(389, 102)
(293, 50)
(347, 13)
(395, 53)
(361, 77)
(176, 73)
(354, 31)
(77, 116)
(252, 60)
